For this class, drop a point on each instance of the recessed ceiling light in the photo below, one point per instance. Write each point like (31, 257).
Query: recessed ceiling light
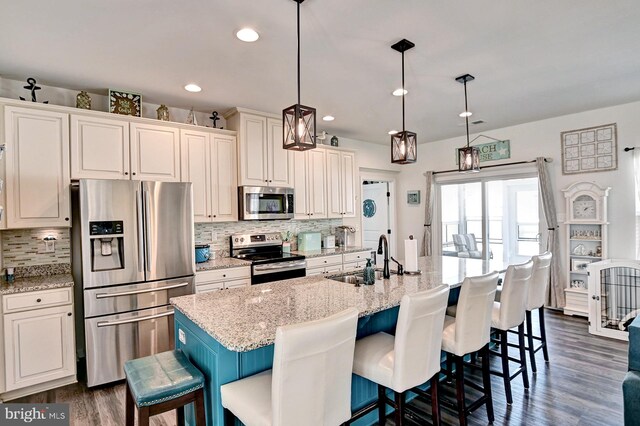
(248, 35)
(328, 118)
(392, 132)
(400, 92)
(192, 87)
(465, 114)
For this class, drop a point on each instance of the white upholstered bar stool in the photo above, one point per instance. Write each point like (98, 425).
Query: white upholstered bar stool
(409, 359)
(310, 383)
(469, 332)
(508, 313)
(535, 300)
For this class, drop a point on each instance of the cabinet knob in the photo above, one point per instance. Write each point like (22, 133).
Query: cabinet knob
(69, 314)
(38, 300)
(209, 215)
(134, 173)
(126, 173)
(215, 215)
(67, 219)
(224, 276)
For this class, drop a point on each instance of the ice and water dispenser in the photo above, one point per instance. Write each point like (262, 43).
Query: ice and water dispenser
(107, 245)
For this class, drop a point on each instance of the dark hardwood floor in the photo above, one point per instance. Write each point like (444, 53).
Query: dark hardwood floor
(580, 386)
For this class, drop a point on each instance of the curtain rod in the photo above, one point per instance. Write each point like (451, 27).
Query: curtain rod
(630, 148)
(547, 160)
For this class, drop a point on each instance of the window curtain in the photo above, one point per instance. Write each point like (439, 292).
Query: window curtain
(636, 166)
(555, 295)
(427, 249)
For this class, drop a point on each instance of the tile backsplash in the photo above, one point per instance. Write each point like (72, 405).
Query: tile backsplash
(222, 231)
(25, 247)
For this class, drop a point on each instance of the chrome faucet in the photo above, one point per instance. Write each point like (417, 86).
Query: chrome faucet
(385, 271)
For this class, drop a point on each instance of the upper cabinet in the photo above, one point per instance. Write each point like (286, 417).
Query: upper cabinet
(99, 148)
(155, 152)
(114, 148)
(261, 159)
(209, 162)
(341, 184)
(37, 168)
(309, 171)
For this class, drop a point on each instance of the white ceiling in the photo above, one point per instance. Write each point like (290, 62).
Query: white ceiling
(531, 59)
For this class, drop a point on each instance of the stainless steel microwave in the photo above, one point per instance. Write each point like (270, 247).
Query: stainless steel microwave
(265, 203)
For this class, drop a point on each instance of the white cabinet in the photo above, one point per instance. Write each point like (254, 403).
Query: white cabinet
(325, 265)
(223, 279)
(39, 344)
(355, 261)
(261, 159)
(155, 152)
(37, 168)
(99, 148)
(209, 162)
(341, 184)
(309, 172)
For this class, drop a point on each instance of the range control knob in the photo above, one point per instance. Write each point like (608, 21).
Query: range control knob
(242, 240)
(236, 240)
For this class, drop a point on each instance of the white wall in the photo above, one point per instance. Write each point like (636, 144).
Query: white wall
(542, 138)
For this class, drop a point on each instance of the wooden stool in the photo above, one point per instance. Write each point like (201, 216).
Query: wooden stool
(160, 383)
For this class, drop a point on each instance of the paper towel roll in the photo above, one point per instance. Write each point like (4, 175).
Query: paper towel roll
(411, 255)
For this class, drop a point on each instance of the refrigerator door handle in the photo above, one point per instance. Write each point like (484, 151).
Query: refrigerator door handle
(141, 260)
(147, 214)
(146, 290)
(136, 319)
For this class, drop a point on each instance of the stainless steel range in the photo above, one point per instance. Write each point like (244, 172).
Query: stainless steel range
(268, 261)
(132, 248)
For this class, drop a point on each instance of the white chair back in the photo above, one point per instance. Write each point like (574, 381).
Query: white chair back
(540, 281)
(473, 314)
(514, 294)
(418, 339)
(312, 367)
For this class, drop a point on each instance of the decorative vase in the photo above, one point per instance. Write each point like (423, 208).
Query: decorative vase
(334, 141)
(83, 100)
(369, 274)
(191, 118)
(163, 113)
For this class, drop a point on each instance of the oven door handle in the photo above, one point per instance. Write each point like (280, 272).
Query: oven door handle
(130, 320)
(146, 290)
(279, 267)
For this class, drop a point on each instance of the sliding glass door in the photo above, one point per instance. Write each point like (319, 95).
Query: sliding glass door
(495, 218)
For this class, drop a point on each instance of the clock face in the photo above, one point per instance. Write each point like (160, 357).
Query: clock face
(584, 207)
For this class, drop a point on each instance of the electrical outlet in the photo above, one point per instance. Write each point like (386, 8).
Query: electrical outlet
(49, 246)
(182, 337)
(214, 236)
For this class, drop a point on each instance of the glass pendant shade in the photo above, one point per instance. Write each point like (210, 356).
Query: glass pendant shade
(299, 130)
(404, 147)
(469, 159)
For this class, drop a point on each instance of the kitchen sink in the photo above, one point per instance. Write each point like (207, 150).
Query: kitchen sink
(349, 279)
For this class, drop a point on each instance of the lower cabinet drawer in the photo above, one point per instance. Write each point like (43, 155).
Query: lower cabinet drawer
(327, 270)
(317, 262)
(577, 301)
(223, 274)
(37, 299)
(246, 282)
(207, 287)
(360, 256)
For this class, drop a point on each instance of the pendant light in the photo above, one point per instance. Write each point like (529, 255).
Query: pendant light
(404, 144)
(299, 121)
(469, 156)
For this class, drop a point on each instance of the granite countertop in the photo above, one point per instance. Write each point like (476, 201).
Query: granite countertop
(330, 251)
(42, 282)
(246, 318)
(221, 263)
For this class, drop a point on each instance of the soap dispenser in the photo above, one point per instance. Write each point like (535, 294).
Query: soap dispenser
(369, 274)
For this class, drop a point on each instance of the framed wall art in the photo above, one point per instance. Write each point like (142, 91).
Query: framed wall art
(125, 103)
(413, 197)
(593, 149)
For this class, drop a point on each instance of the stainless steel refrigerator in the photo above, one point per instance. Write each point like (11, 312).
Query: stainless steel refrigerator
(132, 250)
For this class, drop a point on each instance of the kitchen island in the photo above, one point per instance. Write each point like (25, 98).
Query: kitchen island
(230, 335)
